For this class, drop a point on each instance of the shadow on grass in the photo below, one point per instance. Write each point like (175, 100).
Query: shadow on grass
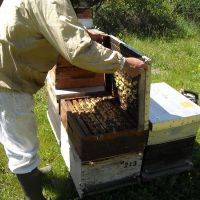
(181, 186)
(62, 187)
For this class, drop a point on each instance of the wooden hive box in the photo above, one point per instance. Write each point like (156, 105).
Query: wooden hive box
(66, 76)
(174, 122)
(54, 98)
(102, 160)
(105, 143)
(97, 176)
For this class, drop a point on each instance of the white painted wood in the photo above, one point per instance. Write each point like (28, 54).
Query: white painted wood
(172, 134)
(169, 108)
(65, 147)
(55, 129)
(111, 169)
(60, 94)
(144, 96)
(54, 117)
(52, 99)
(86, 175)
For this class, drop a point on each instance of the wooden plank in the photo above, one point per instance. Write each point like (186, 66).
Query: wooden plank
(63, 112)
(144, 82)
(52, 98)
(161, 157)
(52, 75)
(170, 109)
(78, 118)
(81, 82)
(172, 134)
(101, 114)
(126, 115)
(113, 168)
(141, 102)
(54, 117)
(90, 119)
(74, 92)
(126, 50)
(109, 84)
(67, 108)
(124, 118)
(106, 145)
(73, 72)
(74, 132)
(147, 98)
(101, 175)
(178, 168)
(65, 75)
(55, 123)
(169, 150)
(65, 147)
(91, 104)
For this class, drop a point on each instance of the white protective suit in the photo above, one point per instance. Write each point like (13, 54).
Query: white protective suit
(32, 35)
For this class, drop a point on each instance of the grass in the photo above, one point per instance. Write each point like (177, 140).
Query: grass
(173, 61)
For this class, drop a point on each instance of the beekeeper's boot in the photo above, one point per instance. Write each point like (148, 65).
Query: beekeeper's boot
(32, 185)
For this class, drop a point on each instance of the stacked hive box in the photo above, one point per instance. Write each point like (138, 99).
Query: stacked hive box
(65, 76)
(174, 122)
(102, 131)
(101, 123)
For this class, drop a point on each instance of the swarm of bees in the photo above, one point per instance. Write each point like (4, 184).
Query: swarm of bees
(127, 90)
(105, 114)
(100, 115)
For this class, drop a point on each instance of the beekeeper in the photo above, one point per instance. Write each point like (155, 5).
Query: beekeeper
(32, 35)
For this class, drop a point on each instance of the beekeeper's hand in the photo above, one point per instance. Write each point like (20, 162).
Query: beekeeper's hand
(134, 66)
(96, 35)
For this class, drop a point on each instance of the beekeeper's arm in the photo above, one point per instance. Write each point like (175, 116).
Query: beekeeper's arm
(57, 21)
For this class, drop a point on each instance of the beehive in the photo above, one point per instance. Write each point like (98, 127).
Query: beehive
(112, 122)
(99, 128)
(103, 132)
(174, 121)
(65, 76)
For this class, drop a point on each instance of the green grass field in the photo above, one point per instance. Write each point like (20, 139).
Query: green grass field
(176, 62)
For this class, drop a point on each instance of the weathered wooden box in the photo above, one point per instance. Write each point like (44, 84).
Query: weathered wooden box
(174, 122)
(97, 176)
(105, 143)
(90, 132)
(101, 161)
(65, 76)
(54, 98)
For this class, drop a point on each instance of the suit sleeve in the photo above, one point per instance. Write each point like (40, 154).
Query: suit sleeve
(57, 22)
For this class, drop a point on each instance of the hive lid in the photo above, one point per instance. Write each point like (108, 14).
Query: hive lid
(169, 108)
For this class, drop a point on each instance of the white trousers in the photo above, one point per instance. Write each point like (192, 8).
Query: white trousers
(18, 131)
